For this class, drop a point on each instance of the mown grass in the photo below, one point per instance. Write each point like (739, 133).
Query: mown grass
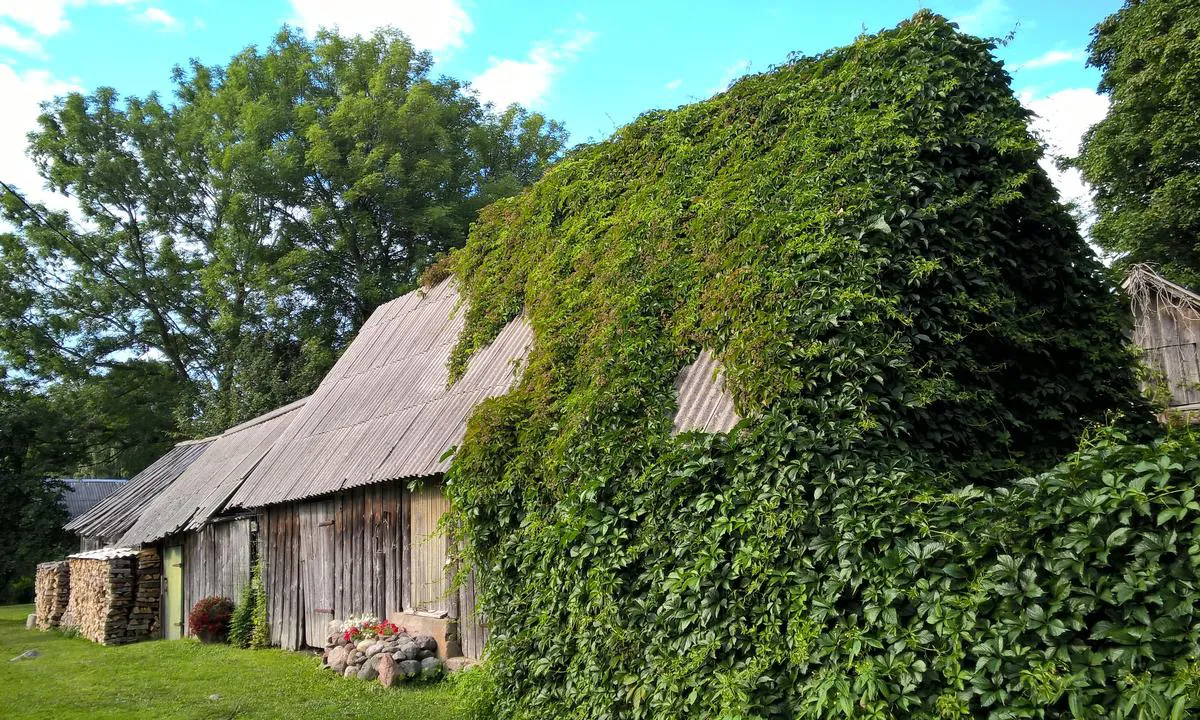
(74, 678)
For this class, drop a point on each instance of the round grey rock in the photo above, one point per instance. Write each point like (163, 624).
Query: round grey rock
(426, 642)
(367, 672)
(409, 668)
(431, 668)
(351, 671)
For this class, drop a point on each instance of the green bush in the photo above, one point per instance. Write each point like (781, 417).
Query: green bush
(909, 324)
(241, 624)
(260, 628)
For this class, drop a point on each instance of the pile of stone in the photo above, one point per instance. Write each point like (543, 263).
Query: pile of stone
(390, 660)
(52, 586)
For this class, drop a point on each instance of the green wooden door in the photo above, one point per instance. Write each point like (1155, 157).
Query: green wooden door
(173, 593)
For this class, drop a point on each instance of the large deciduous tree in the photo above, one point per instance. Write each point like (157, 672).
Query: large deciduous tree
(1143, 159)
(239, 235)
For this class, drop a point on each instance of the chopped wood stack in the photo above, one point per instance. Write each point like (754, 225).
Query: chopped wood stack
(104, 594)
(143, 622)
(53, 588)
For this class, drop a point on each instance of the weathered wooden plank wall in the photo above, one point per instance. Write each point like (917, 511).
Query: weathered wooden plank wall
(1170, 338)
(472, 627)
(429, 549)
(216, 561)
(281, 569)
(372, 550)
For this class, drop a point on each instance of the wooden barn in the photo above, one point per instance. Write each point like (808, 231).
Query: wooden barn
(104, 524)
(1166, 319)
(341, 492)
(206, 548)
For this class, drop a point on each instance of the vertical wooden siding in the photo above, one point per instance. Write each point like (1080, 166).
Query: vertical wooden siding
(375, 549)
(216, 561)
(429, 549)
(1170, 339)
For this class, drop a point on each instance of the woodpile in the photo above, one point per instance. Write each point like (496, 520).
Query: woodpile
(114, 594)
(143, 622)
(53, 588)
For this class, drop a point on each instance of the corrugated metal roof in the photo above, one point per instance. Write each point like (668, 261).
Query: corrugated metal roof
(108, 553)
(82, 494)
(704, 404)
(114, 515)
(204, 488)
(385, 412)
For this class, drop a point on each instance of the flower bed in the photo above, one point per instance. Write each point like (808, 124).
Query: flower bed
(366, 648)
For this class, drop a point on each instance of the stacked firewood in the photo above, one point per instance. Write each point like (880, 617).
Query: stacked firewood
(143, 622)
(53, 588)
(102, 595)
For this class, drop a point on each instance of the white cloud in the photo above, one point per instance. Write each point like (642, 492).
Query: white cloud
(158, 16)
(431, 25)
(527, 81)
(984, 18)
(1053, 57)
(24, 92)
(1062, 119)
(674, 84)
(731, 73)
(13, 40)
(24, 23)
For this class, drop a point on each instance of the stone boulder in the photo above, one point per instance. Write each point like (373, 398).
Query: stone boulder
(335, 660)
(367, 672)
(431, 668)
(409, 668)
(426, 642)
(386, 667)
(350, 671)
(457, 664)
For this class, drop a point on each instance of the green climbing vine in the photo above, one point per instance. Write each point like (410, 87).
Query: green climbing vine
(909, 324)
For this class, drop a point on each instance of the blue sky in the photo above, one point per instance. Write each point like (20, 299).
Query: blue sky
(594, 66)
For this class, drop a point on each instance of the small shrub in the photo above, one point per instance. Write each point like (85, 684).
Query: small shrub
(476, 689)
(241, 623)
(260, 632)
(209, 619)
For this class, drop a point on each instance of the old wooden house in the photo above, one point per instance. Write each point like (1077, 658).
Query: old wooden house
(106, 521)
(1166, 320)
(341, 493)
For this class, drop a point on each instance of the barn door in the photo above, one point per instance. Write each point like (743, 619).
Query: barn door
(172, 580)
(317, 569)
(429, 548)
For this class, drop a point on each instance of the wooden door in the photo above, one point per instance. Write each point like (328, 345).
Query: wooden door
(317, 570)
(429, 548)
(173, 612)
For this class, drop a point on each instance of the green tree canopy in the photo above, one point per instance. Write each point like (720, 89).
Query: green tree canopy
(1143, 159)
(241, 234)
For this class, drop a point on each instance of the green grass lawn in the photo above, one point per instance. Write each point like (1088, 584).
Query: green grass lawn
(75, 678)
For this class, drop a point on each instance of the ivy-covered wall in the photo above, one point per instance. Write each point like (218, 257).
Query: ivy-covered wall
(909, 322)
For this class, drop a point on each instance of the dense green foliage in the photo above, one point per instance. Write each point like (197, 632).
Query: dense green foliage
(239, 235)
(260, 627)
(909, 321)
(30, 452)
(75, 679)
(1143, 159)
(241, 623)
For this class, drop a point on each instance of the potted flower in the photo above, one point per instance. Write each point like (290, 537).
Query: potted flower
(209, 619)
